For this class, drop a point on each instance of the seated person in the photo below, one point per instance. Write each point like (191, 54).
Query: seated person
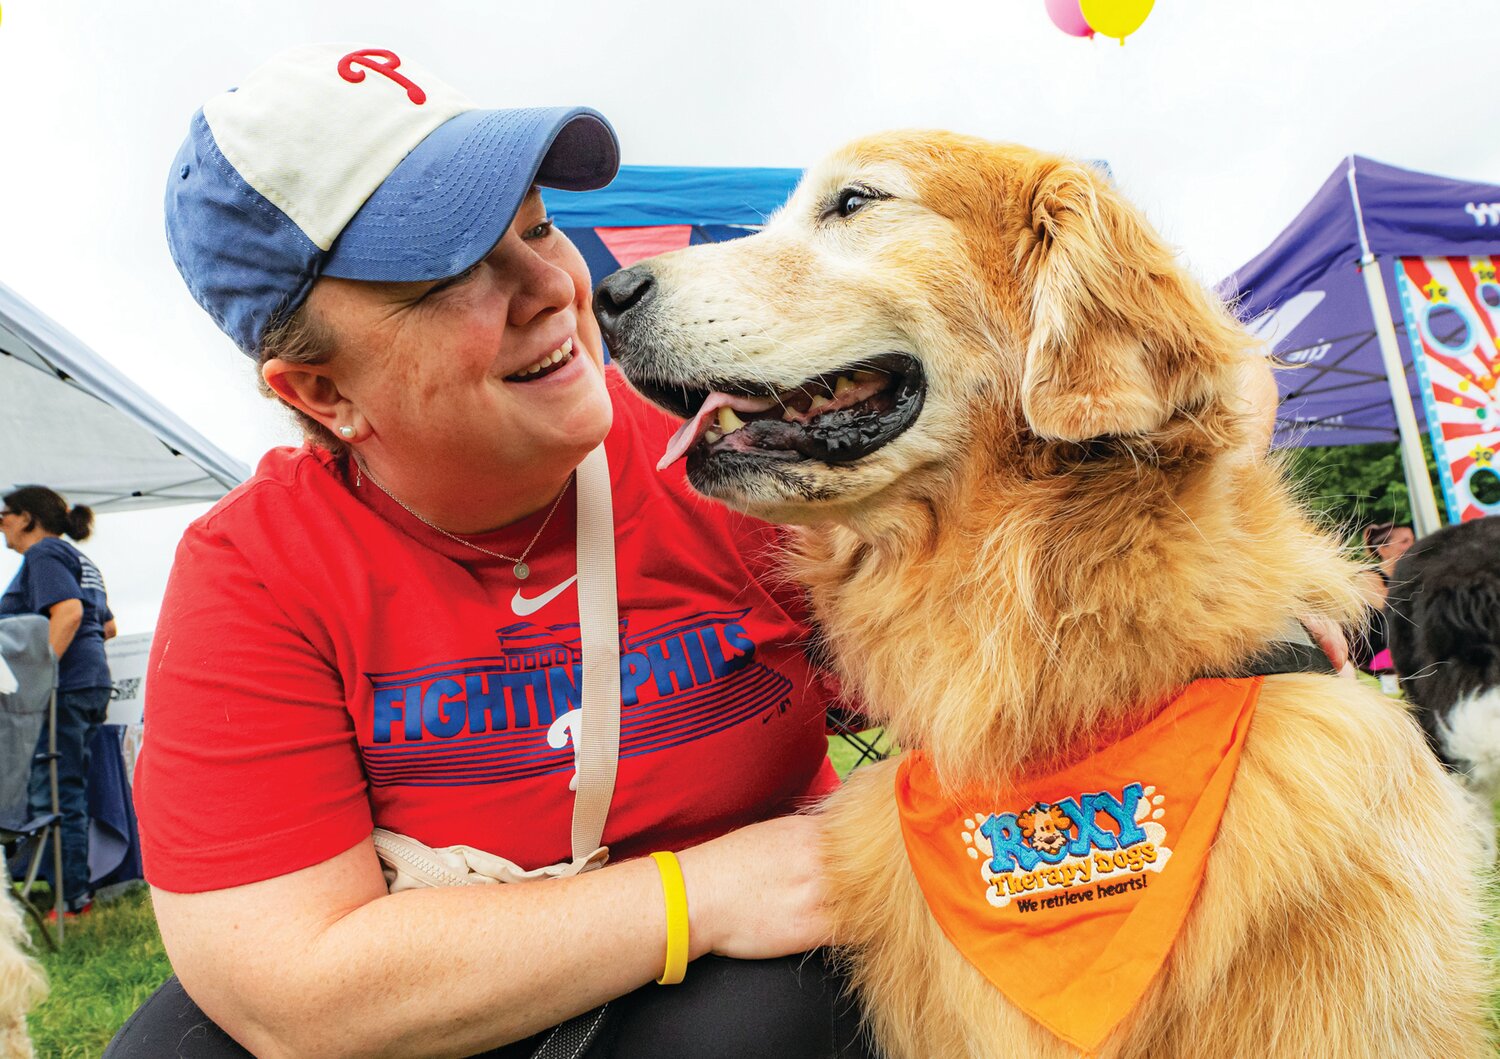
(380, 629)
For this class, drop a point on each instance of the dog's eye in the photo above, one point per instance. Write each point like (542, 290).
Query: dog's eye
(850, 201)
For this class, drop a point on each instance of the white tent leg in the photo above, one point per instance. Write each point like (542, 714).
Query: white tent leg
(1424, 511)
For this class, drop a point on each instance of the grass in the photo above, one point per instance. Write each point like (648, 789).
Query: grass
(113, 959)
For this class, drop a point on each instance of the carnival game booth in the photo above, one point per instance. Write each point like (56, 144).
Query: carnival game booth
(1381, 296)
(74, 423)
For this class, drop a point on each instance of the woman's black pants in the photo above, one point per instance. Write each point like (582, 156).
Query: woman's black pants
(796, 1007)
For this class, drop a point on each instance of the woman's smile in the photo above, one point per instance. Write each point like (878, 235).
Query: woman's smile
(546, 365)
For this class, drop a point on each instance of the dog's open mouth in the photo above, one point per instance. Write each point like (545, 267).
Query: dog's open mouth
(836, 418)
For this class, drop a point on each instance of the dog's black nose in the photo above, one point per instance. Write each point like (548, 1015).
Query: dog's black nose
(620, 293)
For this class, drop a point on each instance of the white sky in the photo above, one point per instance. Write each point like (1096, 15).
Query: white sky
(1219, 118)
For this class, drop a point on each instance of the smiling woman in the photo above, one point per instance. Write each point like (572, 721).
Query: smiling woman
(373, 646)
(463, 396)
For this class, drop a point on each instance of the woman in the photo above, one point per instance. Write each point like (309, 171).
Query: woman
(59, 582)
(380, 628)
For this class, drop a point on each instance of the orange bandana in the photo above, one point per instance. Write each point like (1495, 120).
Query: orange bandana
(1067, 891)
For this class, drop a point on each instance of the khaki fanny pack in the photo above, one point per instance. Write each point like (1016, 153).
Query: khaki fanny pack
(410, 865)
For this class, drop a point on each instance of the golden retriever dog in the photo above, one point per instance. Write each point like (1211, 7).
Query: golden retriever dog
(1032, 506)
(22, 984)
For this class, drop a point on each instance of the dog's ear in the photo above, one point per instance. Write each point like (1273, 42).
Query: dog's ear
(1109, 352)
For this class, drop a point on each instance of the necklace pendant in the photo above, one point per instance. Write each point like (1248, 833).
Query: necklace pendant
(522, 571)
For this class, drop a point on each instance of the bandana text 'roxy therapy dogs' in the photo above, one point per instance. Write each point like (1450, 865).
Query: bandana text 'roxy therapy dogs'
(1067, 891)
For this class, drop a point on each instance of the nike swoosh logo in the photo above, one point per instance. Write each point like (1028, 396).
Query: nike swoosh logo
(523, 606)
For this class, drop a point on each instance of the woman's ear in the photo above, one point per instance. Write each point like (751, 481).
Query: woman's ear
(310, 389)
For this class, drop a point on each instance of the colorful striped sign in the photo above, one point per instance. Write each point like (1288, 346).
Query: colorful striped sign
(1452, 311)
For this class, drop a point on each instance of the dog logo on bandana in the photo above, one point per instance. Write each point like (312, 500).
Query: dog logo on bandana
(1074, 842)
(1045, 827)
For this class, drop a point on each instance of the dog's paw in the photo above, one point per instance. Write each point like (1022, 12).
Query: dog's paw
(1149, 805)
(976, 845)
(1148, 810)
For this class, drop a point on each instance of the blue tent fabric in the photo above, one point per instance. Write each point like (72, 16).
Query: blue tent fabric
(646, 195)
(1305, 296)
(719, 203)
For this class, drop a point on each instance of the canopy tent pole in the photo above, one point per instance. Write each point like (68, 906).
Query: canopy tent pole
(1424, 513)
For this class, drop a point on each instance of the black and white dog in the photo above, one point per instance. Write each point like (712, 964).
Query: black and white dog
(1444, 627)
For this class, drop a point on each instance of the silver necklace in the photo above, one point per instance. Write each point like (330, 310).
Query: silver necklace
(521, 570)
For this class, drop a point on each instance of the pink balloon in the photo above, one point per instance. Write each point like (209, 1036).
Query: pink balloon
(1068, 17)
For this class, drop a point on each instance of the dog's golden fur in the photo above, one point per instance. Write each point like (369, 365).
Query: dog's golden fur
(1079, 522)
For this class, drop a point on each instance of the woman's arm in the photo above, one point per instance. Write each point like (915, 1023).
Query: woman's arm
(63, 620)
(111, 630)
(323, 962)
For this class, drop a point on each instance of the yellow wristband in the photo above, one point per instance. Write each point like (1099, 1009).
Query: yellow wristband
(675, 891)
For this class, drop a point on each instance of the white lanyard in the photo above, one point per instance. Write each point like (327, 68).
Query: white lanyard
(597, 739)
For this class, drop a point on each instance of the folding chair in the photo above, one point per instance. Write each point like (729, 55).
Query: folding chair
(855, 730)
(28, 657)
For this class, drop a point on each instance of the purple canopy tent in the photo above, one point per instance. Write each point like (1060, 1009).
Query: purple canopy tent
(1322, 297)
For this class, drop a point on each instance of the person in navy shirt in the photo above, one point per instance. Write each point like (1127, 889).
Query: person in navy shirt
(58, 581)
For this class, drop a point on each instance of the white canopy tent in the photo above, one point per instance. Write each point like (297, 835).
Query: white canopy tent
(70, 421)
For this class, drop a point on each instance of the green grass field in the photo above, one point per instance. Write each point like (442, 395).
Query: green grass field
(113, 959)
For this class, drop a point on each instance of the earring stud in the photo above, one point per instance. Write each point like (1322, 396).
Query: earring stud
(346, 431)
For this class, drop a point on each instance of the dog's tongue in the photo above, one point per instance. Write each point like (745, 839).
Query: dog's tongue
(694, 428)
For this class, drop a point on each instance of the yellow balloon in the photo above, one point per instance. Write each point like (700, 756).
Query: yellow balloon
(1115, 18)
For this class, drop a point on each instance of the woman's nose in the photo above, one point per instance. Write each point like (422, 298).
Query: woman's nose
(621, 293)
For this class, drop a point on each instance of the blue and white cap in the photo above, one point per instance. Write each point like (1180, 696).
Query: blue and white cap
(350, 162)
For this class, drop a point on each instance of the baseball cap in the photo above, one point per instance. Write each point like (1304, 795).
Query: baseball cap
(352, 162)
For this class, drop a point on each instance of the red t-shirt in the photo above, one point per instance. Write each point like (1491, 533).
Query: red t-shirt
(325, 663)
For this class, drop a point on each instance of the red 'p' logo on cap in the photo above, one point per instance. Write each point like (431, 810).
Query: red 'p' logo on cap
(383, 62)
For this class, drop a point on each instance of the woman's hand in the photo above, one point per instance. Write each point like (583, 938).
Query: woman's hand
(757, 893)
(1331, 639)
